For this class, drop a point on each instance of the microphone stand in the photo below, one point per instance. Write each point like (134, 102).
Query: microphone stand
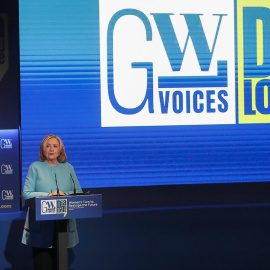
(57, 188)
(74, 190)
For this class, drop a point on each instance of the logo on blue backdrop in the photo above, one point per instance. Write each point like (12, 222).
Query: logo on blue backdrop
(6, 143)
(167, 63)
(6, 169)
(7, 195)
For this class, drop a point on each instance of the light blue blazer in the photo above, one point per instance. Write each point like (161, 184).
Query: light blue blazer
(40, 181)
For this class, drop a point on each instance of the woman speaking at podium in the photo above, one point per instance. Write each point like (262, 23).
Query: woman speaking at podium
(51, 176)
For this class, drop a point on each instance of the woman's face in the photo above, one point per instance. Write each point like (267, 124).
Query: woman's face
(52, 149)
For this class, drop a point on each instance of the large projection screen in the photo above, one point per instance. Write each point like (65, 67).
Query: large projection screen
(147, 92)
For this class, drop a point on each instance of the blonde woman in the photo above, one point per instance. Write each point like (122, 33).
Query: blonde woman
(50, 176)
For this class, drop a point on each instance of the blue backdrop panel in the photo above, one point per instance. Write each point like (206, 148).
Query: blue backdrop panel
(10, 171)
(60, 94)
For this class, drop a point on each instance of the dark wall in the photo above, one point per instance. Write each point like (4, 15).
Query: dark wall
(188, 239)
(180, 195)
(9, 65)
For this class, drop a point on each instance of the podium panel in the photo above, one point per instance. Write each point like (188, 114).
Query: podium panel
(66, 207)
(61, 208)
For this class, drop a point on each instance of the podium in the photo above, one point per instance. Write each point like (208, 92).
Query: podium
(60, 209)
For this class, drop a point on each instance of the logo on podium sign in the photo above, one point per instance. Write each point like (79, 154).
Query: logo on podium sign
(48, 207)
(61, 206)
(58, 206)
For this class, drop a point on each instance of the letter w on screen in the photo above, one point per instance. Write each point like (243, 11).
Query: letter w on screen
(167, 62)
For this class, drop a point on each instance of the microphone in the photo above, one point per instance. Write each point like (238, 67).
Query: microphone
(56, 185)
(74, 191)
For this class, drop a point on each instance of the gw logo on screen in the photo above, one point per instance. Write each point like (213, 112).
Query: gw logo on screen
(175, 56)
(176, 70)
(58, 206)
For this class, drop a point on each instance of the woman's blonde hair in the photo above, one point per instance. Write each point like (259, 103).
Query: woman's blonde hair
(61, 158)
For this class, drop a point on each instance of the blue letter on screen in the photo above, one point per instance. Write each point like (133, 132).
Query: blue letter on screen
(147, 65)
(195, 32)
